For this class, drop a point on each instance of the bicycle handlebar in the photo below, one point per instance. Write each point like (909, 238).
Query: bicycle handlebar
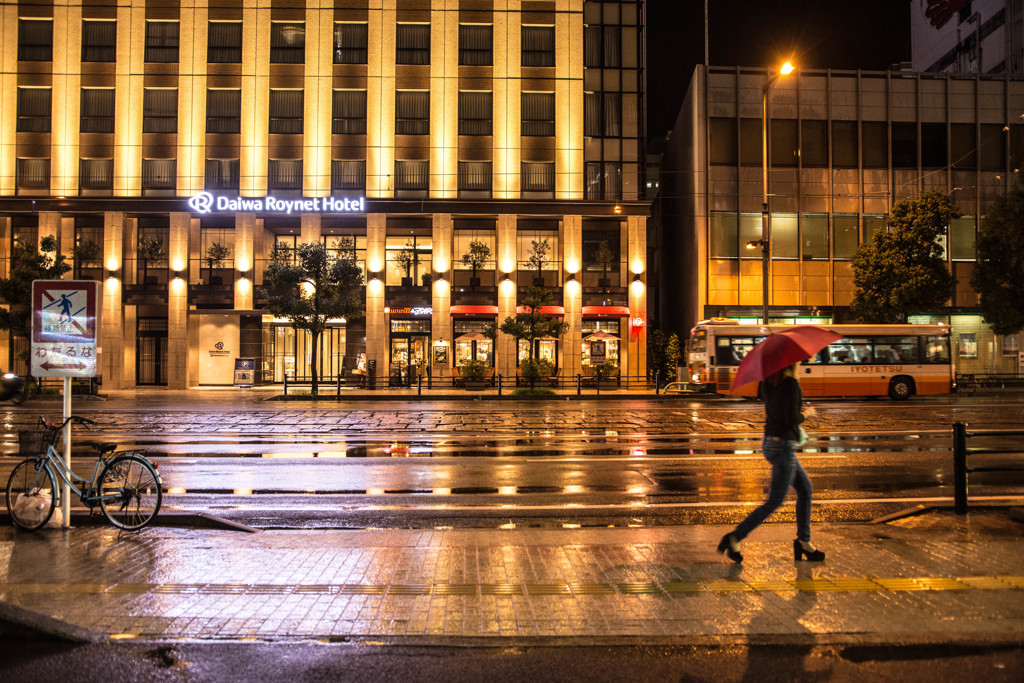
(55, 427)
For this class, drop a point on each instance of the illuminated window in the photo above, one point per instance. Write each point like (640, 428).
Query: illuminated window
(35, 40)
(412, 178)
(538, 179)
(32, 174)
(349, 43)
(158, 176)
(348, 174)
(99, 41)
(224, 42)
(222, 174)
(412, 44)
(161, 41)
(96, 174)
(412, 112)
(285, 174)
(287, 42)
(475, 179)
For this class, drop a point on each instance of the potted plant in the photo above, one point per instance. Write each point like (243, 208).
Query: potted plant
(215, 255)
(603, 255)
(426, 279)
(473, 373)
(150, 249)
(87, 255)
(475, 258)
(406, 261)
(537, 257)
(608, 369)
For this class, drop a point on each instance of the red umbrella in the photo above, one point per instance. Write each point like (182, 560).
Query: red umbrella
(780, 350)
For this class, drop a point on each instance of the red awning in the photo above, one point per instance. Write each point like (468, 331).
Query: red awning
(474, 310)
(605, 311)
(546, 310)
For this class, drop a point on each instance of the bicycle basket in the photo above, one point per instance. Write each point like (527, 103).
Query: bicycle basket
(33, 442)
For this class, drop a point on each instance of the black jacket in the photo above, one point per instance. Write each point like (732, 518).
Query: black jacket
(782, 408)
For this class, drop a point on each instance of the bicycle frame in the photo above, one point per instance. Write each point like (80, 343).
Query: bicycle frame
(53, 462)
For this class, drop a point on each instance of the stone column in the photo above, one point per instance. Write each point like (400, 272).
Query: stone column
(377, 332)
(505, 239)
(572, 295)
(112, 324)
(310, 227)
(245, 255)
(177, 305)
(636, 238)
(441, 320)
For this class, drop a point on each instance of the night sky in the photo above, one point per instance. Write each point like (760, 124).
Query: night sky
(816, 34)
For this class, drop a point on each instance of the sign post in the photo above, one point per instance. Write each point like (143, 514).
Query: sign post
(65, 322)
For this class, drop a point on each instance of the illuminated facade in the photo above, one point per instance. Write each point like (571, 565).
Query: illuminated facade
(169, 147)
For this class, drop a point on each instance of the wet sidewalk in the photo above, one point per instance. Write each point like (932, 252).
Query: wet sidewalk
(934, 577)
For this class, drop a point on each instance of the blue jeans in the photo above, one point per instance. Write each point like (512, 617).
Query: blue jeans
(786, 471)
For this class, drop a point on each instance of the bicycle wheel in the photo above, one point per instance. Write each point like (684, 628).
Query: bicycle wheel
(30, 476)
(129, 492)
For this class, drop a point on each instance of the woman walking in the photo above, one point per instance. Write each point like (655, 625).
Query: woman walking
(783, 416)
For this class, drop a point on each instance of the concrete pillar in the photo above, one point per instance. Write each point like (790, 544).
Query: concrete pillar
(635, 363)
(245, 255)
(441, 319)
(49, 225)
(66, 244)
(377, 333)
(177, 304)
(5, 256)
(112, 324)
(505, 239)
(571, 238)
(310, 227)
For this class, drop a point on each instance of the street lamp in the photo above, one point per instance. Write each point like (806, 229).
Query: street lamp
(766, 226)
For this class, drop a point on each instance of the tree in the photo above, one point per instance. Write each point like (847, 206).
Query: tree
(407, 259)
(998, 275)
(664, 354)
(533, 324)
(902, 271)
(537, 257)
(603, 255)
(476, 257)
(150, 249)
(215, 255)
(27, 264)
(87, 255)
(315, 289)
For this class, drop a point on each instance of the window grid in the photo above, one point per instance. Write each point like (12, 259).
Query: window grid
(350, 43)
(223, 111)
(224, 42)
(538, 114)
(97, 112)
(96, 174)
(287, 42)
(285, 174)
(286, 111)
(222, 174)
(538, 46)
(412, 112)
(476, 44)
(99, 41)
(474, 113)
(349, 112)
(160, 110)
(35, 40)
(162, 41)
(348, 174)
(412, 44)
(34, 106)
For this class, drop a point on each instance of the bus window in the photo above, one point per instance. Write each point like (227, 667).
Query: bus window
(850, 350)
(731, 350)
(699, 341)
(936, 349)
(896, 350)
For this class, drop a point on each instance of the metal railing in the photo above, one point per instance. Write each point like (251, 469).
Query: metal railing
(961, 451)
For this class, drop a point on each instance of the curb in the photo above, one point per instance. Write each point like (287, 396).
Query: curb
(18, 623)
(196, 520)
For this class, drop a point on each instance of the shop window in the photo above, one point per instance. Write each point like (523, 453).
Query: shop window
(32, 174)
(158, 176)
(222, 174)
(216, 255)
(412, 112)
(88, 252)
(875, 145)
(538, 45)
(285, 175)
(462, 247)
(785, 236)
(161, 41)
(813, 143)
(543, 350)
(751, 227)
(350, 40)
(224, 42)
(723, 238)
(474, 179)
(844, 236)
(34, 106)
(538, 114)
(286, 112)
(159, 110)
(475, 113)
(348, 112)
(99, 41)
(814, 236)
(412, 178)
(287, 42)
(724, 149)
(784, 146)
(412, 44)
(844, 144)
(539, 255)
(538, 179)
(475, 44)
(407, 260)
(96, 174)
(348, 174)
(35, 40)
(97, 113)
(223, 111)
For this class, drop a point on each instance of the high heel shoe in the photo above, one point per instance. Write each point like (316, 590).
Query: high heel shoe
(731, 547)
(799, 552)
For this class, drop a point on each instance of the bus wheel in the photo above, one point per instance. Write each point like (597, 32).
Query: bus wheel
(901, 388)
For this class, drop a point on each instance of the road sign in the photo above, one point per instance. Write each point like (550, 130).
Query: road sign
(65, 324)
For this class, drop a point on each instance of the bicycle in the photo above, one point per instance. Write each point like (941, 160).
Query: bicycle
(125, 485)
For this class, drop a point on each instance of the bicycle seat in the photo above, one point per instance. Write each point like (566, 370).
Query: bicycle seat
(101, 447)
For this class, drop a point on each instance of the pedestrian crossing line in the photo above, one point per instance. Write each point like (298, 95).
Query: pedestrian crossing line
(734, 585)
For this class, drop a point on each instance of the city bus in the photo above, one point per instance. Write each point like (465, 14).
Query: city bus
(898, 361)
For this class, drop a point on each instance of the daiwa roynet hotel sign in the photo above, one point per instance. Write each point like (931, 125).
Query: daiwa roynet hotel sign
(204, 203)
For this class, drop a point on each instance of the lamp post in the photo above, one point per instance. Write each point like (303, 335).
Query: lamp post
(766, 226)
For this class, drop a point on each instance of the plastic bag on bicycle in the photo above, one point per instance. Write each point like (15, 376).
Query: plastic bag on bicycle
(33, 505)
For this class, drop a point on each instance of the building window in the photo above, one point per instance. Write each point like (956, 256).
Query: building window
(475, 44)
(349, 112)
(412, 112)
(538, 113)
(223, 111)
(814, 236)
(99, 41)
(158, 176)
(474, 113)
(348, 174)
(845, 144)
(602, 114)
(602, 47)
(222, 174)
(96, 174)
(538, 179)
(412, 178)
(723, 148)
(904, 145)
(784, 147)
(603, 180)
(349, 43)
(844, 236)
(814, 143)
(723, 235)
(475, 179)
(412, 44)
(286, 111)
(33, 110)
(35, 40)
(224, 42)
(962, 239)
(285, 174)
(161, 41)
(538, 46)
(287, 42)
(160, 110)
(32, 174)
(97, 115)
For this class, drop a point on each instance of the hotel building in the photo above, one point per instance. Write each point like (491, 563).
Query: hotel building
(169, 146)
